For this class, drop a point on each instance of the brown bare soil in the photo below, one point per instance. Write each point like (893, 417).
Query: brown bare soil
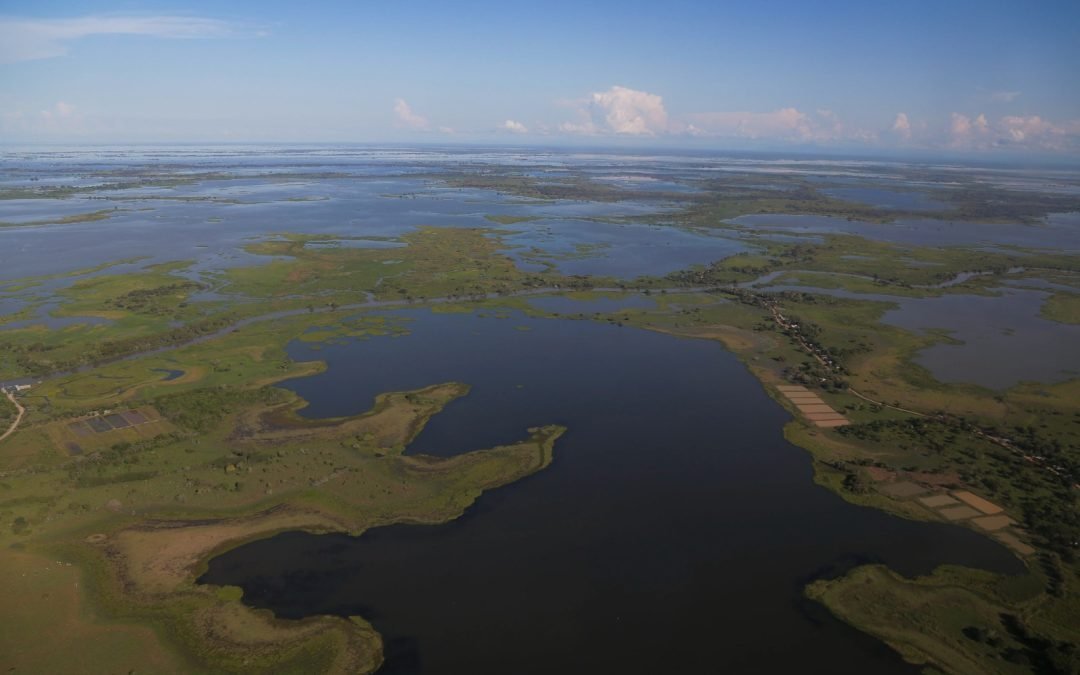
(937, 501)
(989, 508)
(958, 513)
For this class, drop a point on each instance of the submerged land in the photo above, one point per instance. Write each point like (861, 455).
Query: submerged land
(151, 425)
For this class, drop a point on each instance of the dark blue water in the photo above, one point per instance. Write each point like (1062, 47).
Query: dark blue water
(673, 533)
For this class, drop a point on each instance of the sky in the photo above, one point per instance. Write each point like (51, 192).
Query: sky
(974, 77)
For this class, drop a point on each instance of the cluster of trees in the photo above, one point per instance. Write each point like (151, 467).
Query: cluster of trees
(39, 359)
(1032, 442)
(100, 468)
(153, 300)
(1054, 523)
(200, 410)
(7, 412)
(1045, 656)
(1046, 500)
(717, 274)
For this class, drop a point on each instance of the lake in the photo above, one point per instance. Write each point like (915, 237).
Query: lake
(674, 532)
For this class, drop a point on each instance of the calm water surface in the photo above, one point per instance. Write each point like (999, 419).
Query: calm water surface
(1059, 232)
(673, 533)
(998, 340)
(1004, 339)
(884, 198)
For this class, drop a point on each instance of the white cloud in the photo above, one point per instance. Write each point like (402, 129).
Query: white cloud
(619, 110)
(628, 111)
(31, 39)
(407, 118)
(1004, 96)
(960, 127)
(902, 126)
(1020, 129)
(514, 127)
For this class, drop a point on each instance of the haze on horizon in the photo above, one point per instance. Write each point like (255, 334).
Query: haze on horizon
(956, 77)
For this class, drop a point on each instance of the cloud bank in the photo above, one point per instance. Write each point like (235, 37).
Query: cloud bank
(622, 111)
(1030, 132)
(32, 39)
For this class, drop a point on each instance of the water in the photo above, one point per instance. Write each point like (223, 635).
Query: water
(1060, 232)
(1005, 340)
(673, 533)
(1000, 340)
(562, 304)
(163, 224)
(883, 198)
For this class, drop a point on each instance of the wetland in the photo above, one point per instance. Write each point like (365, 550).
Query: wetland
(473, 410)
(675, 515)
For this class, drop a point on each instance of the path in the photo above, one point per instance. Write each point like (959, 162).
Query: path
(18, 418)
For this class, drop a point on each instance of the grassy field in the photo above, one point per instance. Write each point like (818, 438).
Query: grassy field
(53, 631)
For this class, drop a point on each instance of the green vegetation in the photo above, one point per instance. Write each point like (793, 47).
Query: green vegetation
(958, 620)
(509, 220)
(7, 413)
(1063, 307)
(151, 309)
(221, 456)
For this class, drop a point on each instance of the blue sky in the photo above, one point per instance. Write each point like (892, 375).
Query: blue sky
(965, 76)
